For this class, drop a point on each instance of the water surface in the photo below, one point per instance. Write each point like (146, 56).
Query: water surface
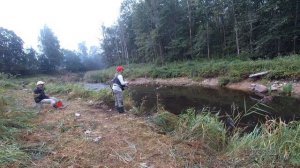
(177, 99)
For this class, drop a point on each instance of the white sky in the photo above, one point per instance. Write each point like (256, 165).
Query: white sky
(72, 21)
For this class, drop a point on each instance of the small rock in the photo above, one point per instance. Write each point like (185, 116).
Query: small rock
(97, 139)
(145, 165)
(260, 88)
(87, 132)
(274, 87)
(77, 114)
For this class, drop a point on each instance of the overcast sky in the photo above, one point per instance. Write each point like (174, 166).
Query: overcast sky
(72, 21)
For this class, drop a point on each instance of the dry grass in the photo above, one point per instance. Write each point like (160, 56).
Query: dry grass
(125, 140)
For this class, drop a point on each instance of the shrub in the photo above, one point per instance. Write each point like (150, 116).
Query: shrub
(166, 121)
(287, 89)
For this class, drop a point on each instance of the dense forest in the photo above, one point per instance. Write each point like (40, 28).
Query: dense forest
(159, 31)
(49, 58)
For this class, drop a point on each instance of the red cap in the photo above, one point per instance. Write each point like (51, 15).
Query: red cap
(120, 68)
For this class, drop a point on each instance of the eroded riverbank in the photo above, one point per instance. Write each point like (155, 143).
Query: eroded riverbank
(245, 85)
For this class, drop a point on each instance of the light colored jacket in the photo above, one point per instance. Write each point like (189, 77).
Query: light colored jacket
(121, 79)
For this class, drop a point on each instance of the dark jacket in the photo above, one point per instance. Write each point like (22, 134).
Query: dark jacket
(39, 95)
(117, 81)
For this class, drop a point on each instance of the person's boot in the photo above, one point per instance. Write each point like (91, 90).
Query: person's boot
(55, 106)
(121, 109)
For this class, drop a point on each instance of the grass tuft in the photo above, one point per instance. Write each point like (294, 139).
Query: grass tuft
(274, 144)
(287, 89)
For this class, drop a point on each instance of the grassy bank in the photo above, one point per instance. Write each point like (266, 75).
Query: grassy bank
(229, 70)
(273, 144)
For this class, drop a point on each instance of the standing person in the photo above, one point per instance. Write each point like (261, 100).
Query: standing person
(41, 97)
(118, 86)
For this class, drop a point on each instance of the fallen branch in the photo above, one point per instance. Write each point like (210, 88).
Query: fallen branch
(258, 74)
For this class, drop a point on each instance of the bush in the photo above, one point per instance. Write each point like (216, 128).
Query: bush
(287, 89)
(166, 121)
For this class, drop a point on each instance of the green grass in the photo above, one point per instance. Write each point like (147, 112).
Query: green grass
(287, 89)
(11, 153)
(191, 126)
(230, 69)
(73, 91)
(204, 126)
(272, 144)
(13, 120)
(166, 121)
(8, 81)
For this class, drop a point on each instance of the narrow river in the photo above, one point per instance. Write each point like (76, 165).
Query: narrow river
(223, 101)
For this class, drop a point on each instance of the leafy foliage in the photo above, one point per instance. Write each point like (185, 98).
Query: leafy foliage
(162, 31)
(12, 57)
(52, 56)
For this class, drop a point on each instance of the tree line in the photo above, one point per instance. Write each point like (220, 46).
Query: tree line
(159, 31)
(50, 58)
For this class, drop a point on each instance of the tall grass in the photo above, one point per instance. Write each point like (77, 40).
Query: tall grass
(271, 144)
(231, 70)
(192, 126)
(274, 144)
(13, 120)
(204, 126)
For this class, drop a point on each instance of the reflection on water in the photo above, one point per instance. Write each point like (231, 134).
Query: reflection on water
(95, 86)
(177, 99)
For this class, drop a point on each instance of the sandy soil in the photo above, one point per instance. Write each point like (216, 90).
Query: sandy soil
(101, 137)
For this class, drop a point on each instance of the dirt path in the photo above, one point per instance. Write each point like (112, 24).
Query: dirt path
(101, 137)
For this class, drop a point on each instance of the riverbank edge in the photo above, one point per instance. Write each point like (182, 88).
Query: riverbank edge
(245, 85)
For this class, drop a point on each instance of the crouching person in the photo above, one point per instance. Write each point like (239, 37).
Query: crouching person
(41, 97)
(118, 86)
